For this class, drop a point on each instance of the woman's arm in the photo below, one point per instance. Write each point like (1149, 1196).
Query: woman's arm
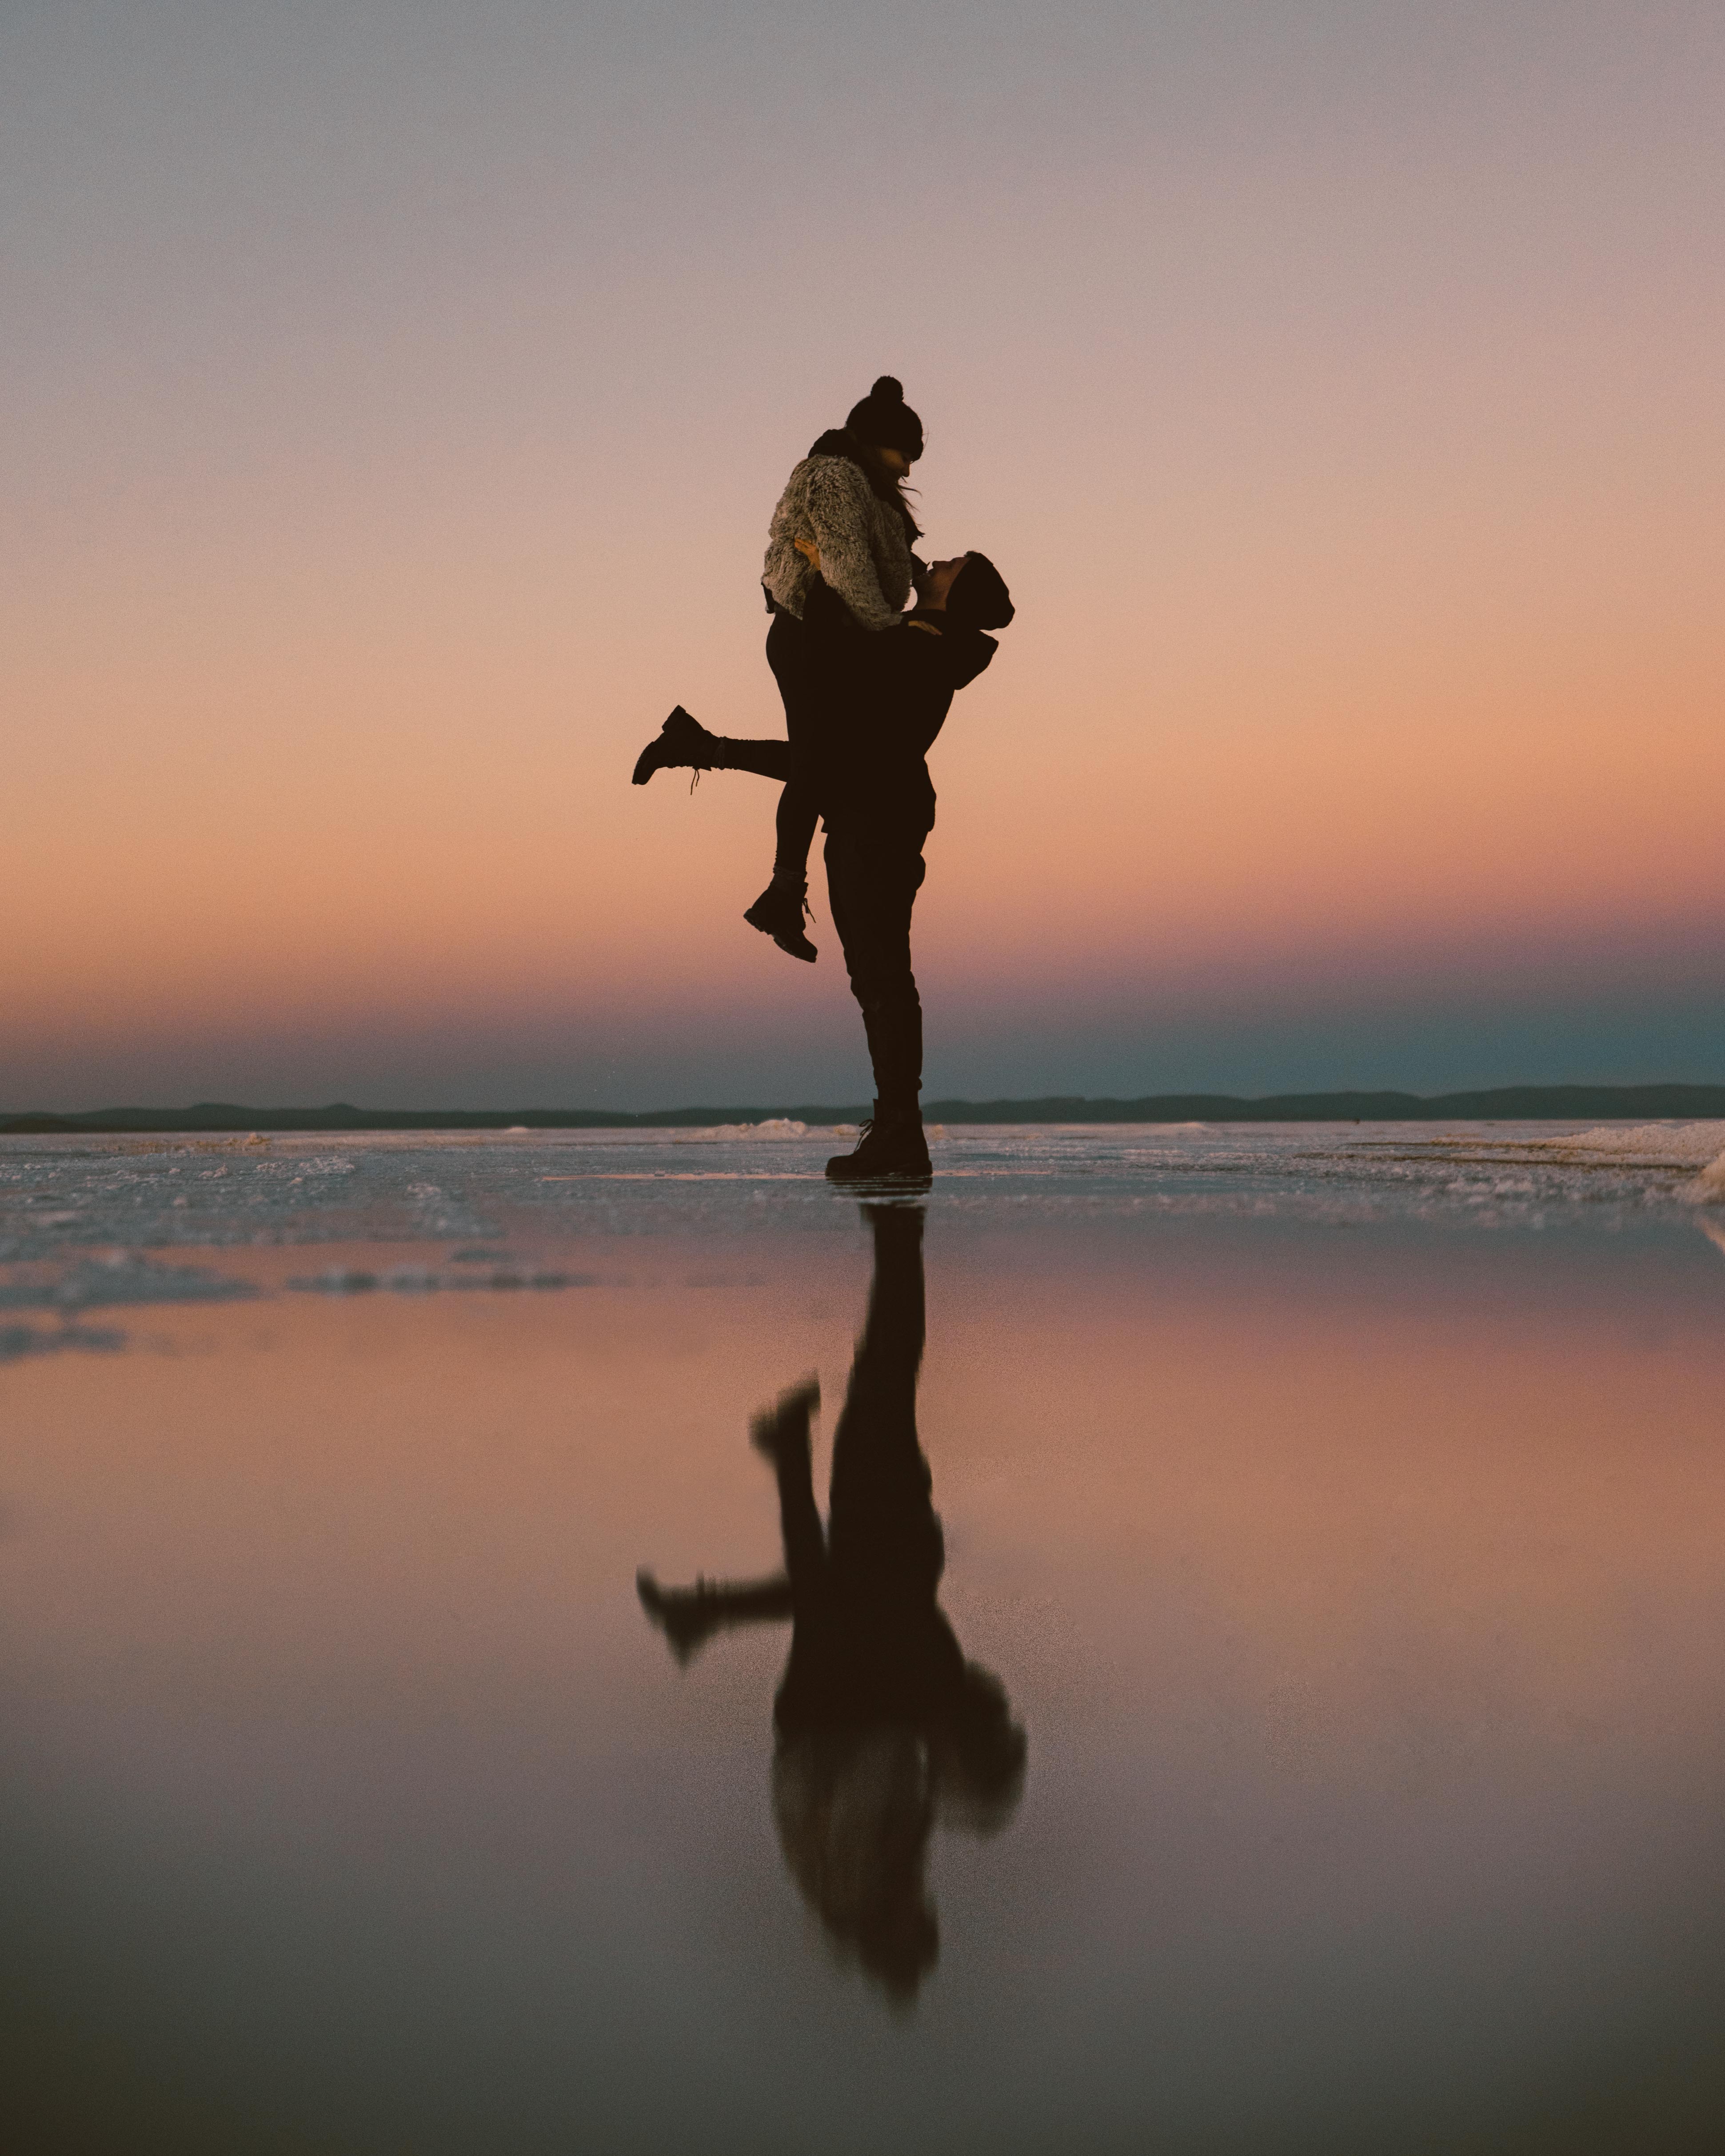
(838, 517)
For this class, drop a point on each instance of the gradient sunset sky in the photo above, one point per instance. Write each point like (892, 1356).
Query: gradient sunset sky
(397, 391)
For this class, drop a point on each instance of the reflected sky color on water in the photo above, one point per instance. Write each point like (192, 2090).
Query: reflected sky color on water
(1331, 1521)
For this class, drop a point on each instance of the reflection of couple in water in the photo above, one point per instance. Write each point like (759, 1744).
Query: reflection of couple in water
(882, 1726)
(866, 688)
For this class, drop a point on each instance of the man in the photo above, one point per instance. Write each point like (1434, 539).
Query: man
(875, 794)
(882, 1725)
(868, 769)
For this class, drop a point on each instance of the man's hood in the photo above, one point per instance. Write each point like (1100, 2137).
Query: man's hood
(968, 652)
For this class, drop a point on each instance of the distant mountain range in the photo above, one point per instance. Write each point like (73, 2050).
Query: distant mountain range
(1502, 1104)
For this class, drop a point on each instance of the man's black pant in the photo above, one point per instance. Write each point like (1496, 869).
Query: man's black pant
(873, 876)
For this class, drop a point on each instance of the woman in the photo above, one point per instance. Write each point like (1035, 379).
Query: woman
(844, 509)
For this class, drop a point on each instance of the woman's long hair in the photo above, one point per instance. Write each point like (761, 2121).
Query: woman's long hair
(885, 485)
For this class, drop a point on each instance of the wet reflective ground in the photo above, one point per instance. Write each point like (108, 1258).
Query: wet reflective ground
(1252, 1681)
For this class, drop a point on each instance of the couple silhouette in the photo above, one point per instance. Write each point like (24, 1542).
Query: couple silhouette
(866, 688)
(881, 1727)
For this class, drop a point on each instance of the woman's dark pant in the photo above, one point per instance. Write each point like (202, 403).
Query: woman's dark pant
(790, 653)
(873, 877)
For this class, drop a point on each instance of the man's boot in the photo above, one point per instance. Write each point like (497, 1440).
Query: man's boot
(891, 1149)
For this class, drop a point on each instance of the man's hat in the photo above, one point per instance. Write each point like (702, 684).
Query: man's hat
(978, 597)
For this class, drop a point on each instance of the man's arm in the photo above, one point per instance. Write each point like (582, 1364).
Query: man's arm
(825, 611)
(943, 659)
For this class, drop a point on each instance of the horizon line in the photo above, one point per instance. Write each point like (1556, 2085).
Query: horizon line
(1563, 1102)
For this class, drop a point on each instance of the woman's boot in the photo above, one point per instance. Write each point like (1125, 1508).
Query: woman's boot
(778, 913)
(682, 744)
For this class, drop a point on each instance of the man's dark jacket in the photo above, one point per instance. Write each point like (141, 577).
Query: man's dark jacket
(891, 689)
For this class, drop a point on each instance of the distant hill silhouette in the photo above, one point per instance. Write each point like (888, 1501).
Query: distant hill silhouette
(1501, 1104)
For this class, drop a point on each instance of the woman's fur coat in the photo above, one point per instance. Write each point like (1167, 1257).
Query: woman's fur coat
(865, 550)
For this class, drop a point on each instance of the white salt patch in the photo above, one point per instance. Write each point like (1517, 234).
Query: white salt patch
(1708, 1188)
(774, 1127)
(1676, 1145)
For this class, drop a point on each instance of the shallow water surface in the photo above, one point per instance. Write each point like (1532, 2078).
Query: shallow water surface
(1300, 1732)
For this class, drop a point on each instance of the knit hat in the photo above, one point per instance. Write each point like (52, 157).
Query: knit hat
(883, 421)
(978, 597)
